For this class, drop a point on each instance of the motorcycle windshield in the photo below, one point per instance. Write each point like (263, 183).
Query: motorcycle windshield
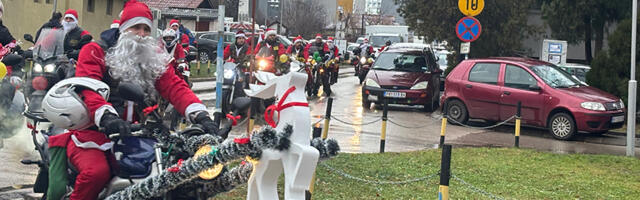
(264, 52)
(50, 44)
(314, 48)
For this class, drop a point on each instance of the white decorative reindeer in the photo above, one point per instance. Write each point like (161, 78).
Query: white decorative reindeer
(299, 162)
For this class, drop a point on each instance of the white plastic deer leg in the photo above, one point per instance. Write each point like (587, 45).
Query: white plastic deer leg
(299, 162)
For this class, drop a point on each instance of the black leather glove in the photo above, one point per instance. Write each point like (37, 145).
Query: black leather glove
(202, 118)
(111, 124)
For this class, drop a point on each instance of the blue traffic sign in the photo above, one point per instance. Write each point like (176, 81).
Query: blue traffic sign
(468, 29)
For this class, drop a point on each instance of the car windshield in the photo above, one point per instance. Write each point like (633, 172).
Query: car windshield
(554, 76)
(443, 59)
(378, 41)
(400, 62)
(49, 44)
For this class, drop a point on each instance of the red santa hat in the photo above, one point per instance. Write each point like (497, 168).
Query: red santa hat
(134, 13)
(318, 36)
(240, 33)
(115, 23)
(174, 22)
(297, 39)
(72, 14)
(271, 32)
(366, 40)
(330, 39)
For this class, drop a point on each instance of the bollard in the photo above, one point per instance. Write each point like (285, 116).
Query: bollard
(327, 118)
(518, 118)
(443, 126)
(317, 131)
(383, 136)
(209, 66)
(252, 113)
(198, 66)
(445, 173)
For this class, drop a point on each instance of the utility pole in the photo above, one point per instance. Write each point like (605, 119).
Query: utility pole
(219, 71)
(55, 6)
(633, 86)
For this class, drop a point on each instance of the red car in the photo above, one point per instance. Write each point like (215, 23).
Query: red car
(403, 76)
(490, 89)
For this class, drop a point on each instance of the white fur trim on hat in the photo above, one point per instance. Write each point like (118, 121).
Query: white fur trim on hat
(175, 24)
(241, 35)
(271, 32)
(114, 25)
(133, 21)
(72, 17)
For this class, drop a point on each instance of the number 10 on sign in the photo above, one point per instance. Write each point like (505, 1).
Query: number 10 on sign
(471, 7)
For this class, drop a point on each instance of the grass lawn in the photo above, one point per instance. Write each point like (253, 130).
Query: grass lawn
(205, 70)
(505, 172)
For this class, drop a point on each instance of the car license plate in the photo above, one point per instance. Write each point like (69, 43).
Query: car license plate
(617, 119)
(395, 94)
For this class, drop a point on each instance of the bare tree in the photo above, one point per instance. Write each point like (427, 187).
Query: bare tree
(303, 17)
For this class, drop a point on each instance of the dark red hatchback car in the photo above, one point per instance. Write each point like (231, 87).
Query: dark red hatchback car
(490, 89)
(403, 76)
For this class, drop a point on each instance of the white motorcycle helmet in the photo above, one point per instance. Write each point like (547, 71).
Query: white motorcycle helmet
(65, 108)
(169, 33)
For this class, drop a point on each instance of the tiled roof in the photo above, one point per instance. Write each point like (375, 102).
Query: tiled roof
(163, 4)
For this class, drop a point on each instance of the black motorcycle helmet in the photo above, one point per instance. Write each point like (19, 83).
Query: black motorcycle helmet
(13, 60)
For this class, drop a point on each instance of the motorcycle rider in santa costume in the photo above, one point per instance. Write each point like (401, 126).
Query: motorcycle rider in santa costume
(137, 58)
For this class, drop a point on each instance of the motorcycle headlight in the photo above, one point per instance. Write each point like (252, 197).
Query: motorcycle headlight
(37, 68)
(593, 106)
(370, 60)
(371, 83)
(420, 86)
(228, 74)
(363, 60)
(49, 68)
(262, 64)
(247, 64)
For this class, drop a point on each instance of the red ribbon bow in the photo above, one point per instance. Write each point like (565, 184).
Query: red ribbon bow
(268, 113)
(176, 168)
(31, 126)
(241, 140)
(149, 109)
(234, 119)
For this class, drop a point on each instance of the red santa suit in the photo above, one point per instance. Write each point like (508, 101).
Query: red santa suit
(86, 148)
(184, 38)
(323, 46)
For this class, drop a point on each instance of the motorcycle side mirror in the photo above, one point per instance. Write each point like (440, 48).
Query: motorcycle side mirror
(241, 103)
(29, 37)
(131, 92)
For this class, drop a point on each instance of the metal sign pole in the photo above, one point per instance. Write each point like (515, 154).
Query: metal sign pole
(219, 70)
(633, 85)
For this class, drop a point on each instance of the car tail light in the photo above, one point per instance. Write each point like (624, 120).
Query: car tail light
(40, 83)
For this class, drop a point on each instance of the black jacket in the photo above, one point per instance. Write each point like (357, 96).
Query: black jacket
(5, 35)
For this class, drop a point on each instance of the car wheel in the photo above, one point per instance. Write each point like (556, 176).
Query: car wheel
(432, 105)
(366, 104)
(457, 111)
(204, 56)
(562, 126)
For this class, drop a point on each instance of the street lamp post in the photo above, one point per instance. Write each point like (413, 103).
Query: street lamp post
(633, 85)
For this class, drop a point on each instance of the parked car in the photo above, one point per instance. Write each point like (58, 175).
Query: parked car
(491, 88)
(576, 69)
(403, 76)
(207, 44)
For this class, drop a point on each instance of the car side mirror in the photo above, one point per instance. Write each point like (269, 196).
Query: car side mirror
(29, 37)
(534, 87)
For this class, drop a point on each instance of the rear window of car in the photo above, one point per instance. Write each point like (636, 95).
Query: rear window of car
(485, 73)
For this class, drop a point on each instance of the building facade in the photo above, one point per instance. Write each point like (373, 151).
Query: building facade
(27, 16)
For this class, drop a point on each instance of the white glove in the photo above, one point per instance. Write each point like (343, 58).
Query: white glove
(15, 81)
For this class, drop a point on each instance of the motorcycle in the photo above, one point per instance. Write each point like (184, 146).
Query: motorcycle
(149, 150)
(322, 74)
(363, 67)
(50, 66)
(232, 86)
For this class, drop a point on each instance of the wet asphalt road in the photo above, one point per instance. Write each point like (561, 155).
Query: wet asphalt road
(409, 129)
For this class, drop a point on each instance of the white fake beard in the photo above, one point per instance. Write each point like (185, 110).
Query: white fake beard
(139, 60)
(68, 26)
